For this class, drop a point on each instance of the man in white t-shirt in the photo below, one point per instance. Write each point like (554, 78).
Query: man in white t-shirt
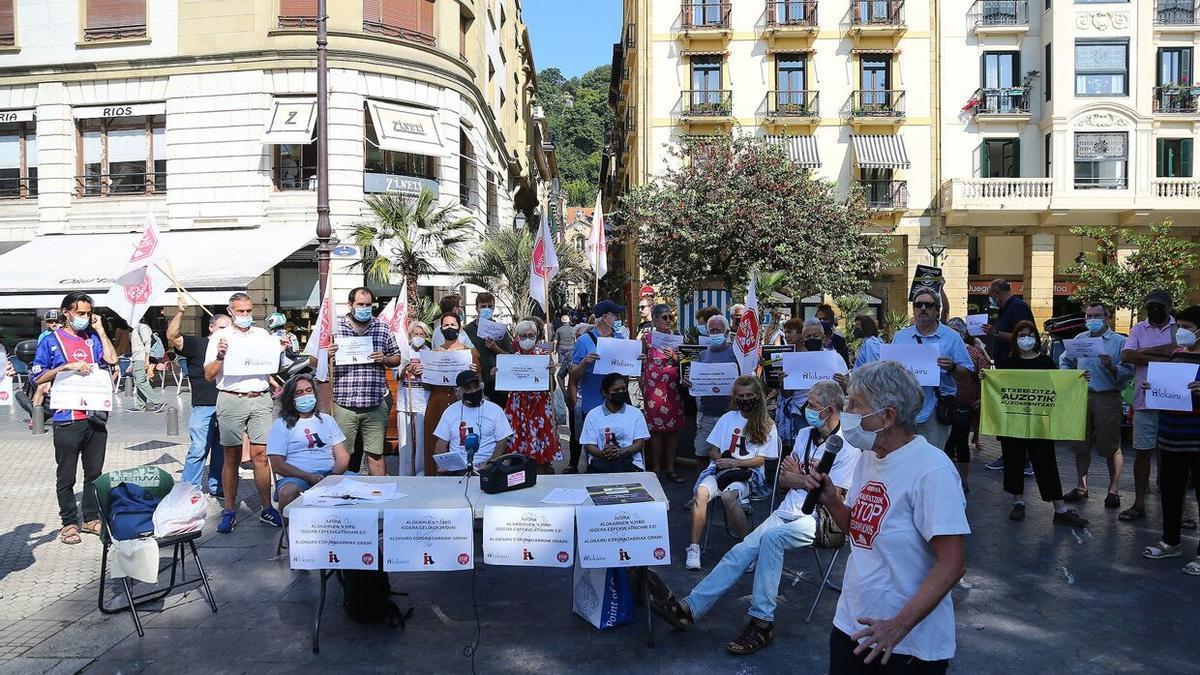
(472, 420)
(614, 433)
(304, 446)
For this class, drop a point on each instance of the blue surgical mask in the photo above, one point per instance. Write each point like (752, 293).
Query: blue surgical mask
(702, 329)
(813, 417)
(243, 321)
(362, 314)
(716, 340)
(1095, 325)
(81, 322)
(486, 313)
(306, 402)
(618, 325)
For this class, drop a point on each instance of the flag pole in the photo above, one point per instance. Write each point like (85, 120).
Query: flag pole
(170, 272)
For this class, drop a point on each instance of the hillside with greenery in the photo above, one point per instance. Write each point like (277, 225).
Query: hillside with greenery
(578, 113)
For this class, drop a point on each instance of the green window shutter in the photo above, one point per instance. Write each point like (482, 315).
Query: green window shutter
(1185, 151)
(984, 171)
(1016, 160)
(1160, 154)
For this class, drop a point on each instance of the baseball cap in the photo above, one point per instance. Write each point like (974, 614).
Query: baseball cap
(466, 378)
(606, 307)
(1159, 296)
(52, 315)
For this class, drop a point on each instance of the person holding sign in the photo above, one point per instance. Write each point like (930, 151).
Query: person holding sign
(410, 416)
(614, 433)
(866, 329)
(472, 427)
(709, 409)
(583, 363)
(441, 397)
(531, 411)
(804, 335)
(360, 390)
(243, 409)
(304, 446)
(661, 402)
(79, 346)
(488, 346)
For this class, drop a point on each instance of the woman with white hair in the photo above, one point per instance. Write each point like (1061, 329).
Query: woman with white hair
(410, 403)
(905, 516)
(531, 413)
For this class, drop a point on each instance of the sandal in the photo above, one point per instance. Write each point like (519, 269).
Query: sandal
(675, 478)
(91, 527)
(758, 634)
(665, 604)
(1075, 495)
(1132, 513)
(69, 534)
(1162, 550)
(1192, 568)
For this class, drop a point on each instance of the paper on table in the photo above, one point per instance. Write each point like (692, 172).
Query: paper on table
(1084, 348)
(493, 330)
(666, 340)
(975, 323)
(353, 350)
(450, 461)
(618, 356)
(566, 496)
(1169, 386)
(921, 361)
(380, 492)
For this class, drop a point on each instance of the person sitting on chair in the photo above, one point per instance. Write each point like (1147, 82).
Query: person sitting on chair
(614, 432)
(472, 420)
(303, 445)
(787, 529)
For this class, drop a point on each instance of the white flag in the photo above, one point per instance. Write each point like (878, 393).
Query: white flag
(543, 264)
(597, 249)
(321, 338)
(746, 340)
(395, 315)
(142, 280)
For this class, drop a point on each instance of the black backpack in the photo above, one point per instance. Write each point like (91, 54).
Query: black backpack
(367, 598)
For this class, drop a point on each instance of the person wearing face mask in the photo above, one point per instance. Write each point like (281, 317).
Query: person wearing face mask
(702, 317)
(735, 316)
(905, 517)
(303, 446)
(831, 338)
(804, 336)
(451, 304)
(472, 414)
(360, 390)
(532, 411)
(440, 398)
(614, 433)
(966, 399)
(1107, 377)
(202, 423)
(661, 401)
(410, 403)
(585, 382)
(866, 329)
(80, 345)
(709, 409)
(739, 444)
(485, 306)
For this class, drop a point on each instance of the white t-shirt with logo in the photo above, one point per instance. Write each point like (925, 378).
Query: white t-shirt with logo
(840, 474)
(897, 504)
(728, 433)
(626, 426)
(308, 445)
(488, 421)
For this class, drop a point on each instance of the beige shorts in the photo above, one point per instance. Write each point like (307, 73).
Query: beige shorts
(1104, 414)
(238, 415)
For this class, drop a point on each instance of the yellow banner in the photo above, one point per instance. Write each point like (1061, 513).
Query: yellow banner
(1050, 404)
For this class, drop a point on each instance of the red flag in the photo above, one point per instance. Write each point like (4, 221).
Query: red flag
(749, 333)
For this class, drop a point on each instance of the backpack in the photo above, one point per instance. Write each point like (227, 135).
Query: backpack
(366, 598)
(157, 351)
(131, 511)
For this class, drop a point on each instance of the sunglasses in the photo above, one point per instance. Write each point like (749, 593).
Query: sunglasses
(924, 305)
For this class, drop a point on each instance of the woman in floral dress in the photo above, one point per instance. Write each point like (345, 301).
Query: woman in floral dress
(531, 413)
(661, 402)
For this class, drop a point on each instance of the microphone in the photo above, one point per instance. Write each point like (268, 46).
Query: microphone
(832, 447)
(471, 445)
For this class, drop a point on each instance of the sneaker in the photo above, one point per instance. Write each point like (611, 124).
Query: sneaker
(995, 465)
(1162, 550)
(228, 518)
(1112, 501)
(693, 557)
(1017, 513)
(1028, 469)
(1069, 517)
(271, 517)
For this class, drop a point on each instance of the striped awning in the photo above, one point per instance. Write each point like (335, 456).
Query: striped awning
(880, 152)
(867, 50)
(704, 52)
(800, 149)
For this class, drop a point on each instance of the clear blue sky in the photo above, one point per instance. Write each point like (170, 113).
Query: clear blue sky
(572, 35)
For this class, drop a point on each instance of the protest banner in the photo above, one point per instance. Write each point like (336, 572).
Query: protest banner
(529, 537)
(921, 361)
(252, 354)
(618, 356)
(441, 368)
(801, 370)
(1044, 404)
(428, 540)
(333, 539)
(353, 350)
(712, 379)
(73, 391)
(522, 372)
(1169, 386)
(623, 535)
(927, 278)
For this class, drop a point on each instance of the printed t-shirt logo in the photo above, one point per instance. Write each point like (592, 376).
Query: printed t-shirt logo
(867, 514)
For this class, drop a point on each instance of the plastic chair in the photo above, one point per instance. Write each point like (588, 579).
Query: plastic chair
(158, 483)
(181, 374)
(122, 371)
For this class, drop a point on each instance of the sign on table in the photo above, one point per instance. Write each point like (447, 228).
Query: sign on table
(428, 540)
(712, 379)
(975, 323)
(333, 539)
(530, 537)
(254, 354)
(491, 330)
(441, 368)
(353, 350)
(1169, 386)
(522, 372)
(623, 535)
(666, 340)
(1084, 348)
(618, 356)
(921, 361)
(72, 391)
(801, 370)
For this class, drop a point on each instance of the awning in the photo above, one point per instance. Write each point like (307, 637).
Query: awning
(211, 264)
(291, 120)
(880, 152)
(800, 149)
(704, 52)
(402, 128)
(874, 51)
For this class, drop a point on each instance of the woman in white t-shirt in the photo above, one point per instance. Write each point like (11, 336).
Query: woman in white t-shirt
(410, 403)
(303, 445)
(739, 445)
(905, 516)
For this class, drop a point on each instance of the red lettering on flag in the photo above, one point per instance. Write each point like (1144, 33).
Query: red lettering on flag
(139, 293)
(145, 246)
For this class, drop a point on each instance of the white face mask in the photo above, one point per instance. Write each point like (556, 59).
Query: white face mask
(527, 343)
(1026, 342)
(1185, 338)
(417, 342)
(854, 434)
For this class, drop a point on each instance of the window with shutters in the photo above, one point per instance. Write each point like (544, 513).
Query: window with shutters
(468, 191)
(122, 156)
(297, 13)
(114, 19)
(1174, 157)
(410, 20)
(18, 161)
(7, 34)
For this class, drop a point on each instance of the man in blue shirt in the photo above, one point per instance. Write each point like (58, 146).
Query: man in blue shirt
(53, 321)
(607, 316)
(709, 409)
(1107, 377)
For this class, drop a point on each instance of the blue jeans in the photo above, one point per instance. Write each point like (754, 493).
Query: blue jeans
(205, 442)
(767, 545)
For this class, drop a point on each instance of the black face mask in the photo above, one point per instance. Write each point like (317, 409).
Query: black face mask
(451, 334)
(473, 399)
(813, 345)
(1157, 314)
(619, 398)
(747, 406)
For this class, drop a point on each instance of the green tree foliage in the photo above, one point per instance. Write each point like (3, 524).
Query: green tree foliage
(502, 267)
(579, 117)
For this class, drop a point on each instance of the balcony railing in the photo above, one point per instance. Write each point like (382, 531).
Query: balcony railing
(298, 22)
(104, 185)
(1176, 98)
(1000, 101)
(405, 34)
(699, 15)
(792, 103)
(876, 13)
(630, 119)
(630, 36)
(1172, 188)
(1101, 182)
(1001, 188)
(791, 13)
(999, 13)
(18, 188)
(114, 32)
(706, 103)
(877, 103)
(1176, 13)
(885, 194)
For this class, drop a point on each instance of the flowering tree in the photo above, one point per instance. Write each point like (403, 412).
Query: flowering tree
(731, 205)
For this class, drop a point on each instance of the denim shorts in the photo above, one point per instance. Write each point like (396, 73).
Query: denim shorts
(281, 481)
(1145, 429)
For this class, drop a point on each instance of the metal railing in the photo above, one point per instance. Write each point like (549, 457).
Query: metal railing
(1101, 182)
(1185, 188)
(630, 119)
(791, 13)
(792, 103)
(884, 194)
(877, 103)
(989, 13)
(114, 32)
(630, 36)
(1176, 98)
(1000, 101)
(105, 184)
(18, 188)
(698, 15)
(876, 12)
(706, 103)
(1176, 12)
(298, 22)
(406, 34)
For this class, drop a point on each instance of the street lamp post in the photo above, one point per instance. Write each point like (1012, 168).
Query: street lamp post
(935, 251)
(324, 230)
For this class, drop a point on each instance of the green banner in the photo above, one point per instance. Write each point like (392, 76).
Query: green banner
(1049, 404)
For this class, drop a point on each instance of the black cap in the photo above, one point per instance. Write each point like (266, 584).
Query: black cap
(1159, 296)
(606, 307)
(466, 378)
(52, 315)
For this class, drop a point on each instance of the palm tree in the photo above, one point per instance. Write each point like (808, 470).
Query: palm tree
(502, 267)
(407, 235)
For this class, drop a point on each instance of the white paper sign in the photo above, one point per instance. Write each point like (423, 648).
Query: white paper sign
(921, 361)
(1169, 386)
(801, 370)
(623, 535)
(428, 540)
(618, 356)
(72, 391)
(353, 350)
(441, 368)
(522, 372)
(666, 340)
(1084, 348)
(975, 323)
(530, 537)
(712, 379)
(451, 461)
(333, 539)
(254, 354)
(493, 330)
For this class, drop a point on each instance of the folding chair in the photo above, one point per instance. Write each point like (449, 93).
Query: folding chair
(181, 375)
(159, 483)
(122, 372)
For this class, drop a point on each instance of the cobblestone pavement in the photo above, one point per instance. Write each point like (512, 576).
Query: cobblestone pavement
(1036, 597)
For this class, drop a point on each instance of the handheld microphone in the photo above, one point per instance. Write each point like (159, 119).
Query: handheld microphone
(832, 447)
(471, 444)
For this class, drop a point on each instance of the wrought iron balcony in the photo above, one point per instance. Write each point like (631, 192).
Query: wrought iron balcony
(877, 103)
(700, 15)
(380, 28)
(999, 101)
(884, 195)
(791, 14)
(876, 13)
(1176, 98)
(792, 103)
(1176, 13)
(104, 185)
(1000, 13)
(695, 103)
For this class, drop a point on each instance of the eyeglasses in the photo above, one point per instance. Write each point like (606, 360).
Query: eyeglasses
(924, 305)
